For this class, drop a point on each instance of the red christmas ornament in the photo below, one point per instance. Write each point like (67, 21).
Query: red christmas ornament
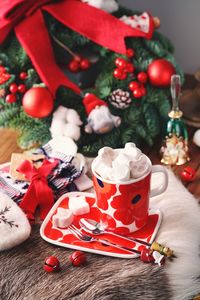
(10, 98)
(160, 72)
(21, 88)
(130, 53)
(142, 77)
(13, 88)
(38, 102)
(134, 85)
(188, 174)
(85, 64)
(51, 264)
(77, 258)
(74, 66)
(137, 93)
(23, 75)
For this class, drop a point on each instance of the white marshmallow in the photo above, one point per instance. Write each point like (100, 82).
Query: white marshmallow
(78, 205)
(106, 154)
(120, 172)
(63, 218)
(139, 167)
(102, 169)
(132, 150)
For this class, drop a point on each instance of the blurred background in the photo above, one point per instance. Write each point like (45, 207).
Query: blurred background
(180, 22)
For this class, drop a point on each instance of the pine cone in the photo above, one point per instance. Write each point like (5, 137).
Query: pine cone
(120, 99)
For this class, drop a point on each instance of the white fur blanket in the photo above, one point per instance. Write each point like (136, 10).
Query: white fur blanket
(180, 230)
(104, 278)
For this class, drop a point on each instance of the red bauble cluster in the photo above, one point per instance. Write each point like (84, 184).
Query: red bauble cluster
(38, 102)
(137, 87)
(124, 66)
(14, 89)
(78, 64)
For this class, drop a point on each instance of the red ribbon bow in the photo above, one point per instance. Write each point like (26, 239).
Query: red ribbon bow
(26, 18)
(39, 194)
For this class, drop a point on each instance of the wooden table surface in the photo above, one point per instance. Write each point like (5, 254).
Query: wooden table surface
(8, 145)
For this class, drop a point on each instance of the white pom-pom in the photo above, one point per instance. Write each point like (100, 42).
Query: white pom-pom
(57, 127)
(196, 138)
(60, 112)
(72, 131)
(73, 117)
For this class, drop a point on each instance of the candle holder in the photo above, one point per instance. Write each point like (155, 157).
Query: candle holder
(174, 149)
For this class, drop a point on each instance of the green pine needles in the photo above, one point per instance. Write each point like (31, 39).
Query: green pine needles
(142, 121)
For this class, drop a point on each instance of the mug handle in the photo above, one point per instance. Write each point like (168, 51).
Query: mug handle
(158, 190)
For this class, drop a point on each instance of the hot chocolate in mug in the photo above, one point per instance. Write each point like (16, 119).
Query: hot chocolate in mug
(124, 205)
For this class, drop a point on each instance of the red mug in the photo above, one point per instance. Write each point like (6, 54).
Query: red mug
(124, 206)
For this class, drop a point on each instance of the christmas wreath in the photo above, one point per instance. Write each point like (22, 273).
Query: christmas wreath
(107, 93)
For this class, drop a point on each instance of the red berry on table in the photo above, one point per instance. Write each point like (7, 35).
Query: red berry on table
(130, 68)
(120, 62)
(142, 77)
(10, 98)
(133, 85)
(21, 88)
(130, 53)
(13, 88)
(74, 66)
(77, 258)
(51, 264)
(23, 75)
(137, 93)
(85, 64)
(188, 174)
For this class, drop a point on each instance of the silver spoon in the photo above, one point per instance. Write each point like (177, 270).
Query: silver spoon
(96, 228)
